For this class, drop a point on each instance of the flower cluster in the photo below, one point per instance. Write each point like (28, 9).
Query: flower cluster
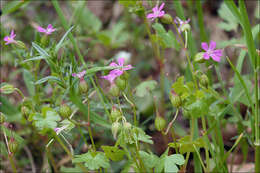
(117, 72)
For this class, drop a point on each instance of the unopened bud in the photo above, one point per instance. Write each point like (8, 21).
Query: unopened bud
(175, 100)
(167, 19)
(83, 87)
(7, 89)
(199, 57)
(125, 75)
(160, 123)
(114, 90)
(204, 80)
(20, 44)
(25, 111)
(2, 118)
(115, 113)
(121, 83)
(185, 27)
(114, 128)
(13, 145)
(65, 111)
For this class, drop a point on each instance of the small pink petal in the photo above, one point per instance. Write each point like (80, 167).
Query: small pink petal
(40, 29)
(215, 57)
(151, 15)
(161, 14)
(6, 38)
(128, 67)
(74, 74)
(206, 56)
(155, 9)
(120, 61)
(204, 46)
(212, 45)
(113, 64)
(218, 52)
(116, 72)
(49, 26)
(161, 7)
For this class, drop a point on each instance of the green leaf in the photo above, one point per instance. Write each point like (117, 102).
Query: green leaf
(93, 162)
(179, 87)
(171, 162)
(69, 125)
(11, 6)
(139, 134)
(29, 82)
(149, 160)
(231, 22)
(40, 50)
(167, 39)
(58, 46)
(70, 170)
(35, 58)
(198, 108)
(46, 120)
(96, 69)
(160, 164)
(113, 153)
(45, 79)
(145, 88)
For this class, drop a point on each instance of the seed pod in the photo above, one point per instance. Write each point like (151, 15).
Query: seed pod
(114, 128)
(2, 118)
(167, 19)
(125, 75)
(115, 114)
(199, 57)
(65, 110)
(7, 89)
(185, 27)
(13, 145)
(121, 83)
(176, 100)
(114, 90)
(83, 87)
(204, 80)
(160, 123)
(25, 111)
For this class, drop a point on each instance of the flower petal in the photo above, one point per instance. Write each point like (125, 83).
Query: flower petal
(151, 15)
(40, 29)
(215, 57)
(113, 64)
(6, 38)
(161, 7)
(49, 26)
(212, 45)
(155, 9)
(218, 52)
(204, 46)
(161, 14)
(116, 72)
(128, 67)
(206, 56)
(120, 61)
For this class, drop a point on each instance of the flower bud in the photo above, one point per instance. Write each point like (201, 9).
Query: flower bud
(125, 75)
(114, 90)
(13, 145)
(115, 113)
(121, 83)
(83, 87)
(25, 111)
(160, 123)
(7, 89)
(2, 118)
(167, 19)
(65, 111)
(176, 100)
(204, 80)
(20, 44)
(199, 57)
(44, 40)
(185, 27)
(114, 128)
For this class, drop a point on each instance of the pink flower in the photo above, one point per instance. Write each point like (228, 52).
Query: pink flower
(210, 52)
(10, 39)
(117, 72)
(180, 22)
(80, 75)
(157, 12)
(47, 31)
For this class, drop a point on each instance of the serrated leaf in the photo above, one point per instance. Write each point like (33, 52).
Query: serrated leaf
(113, 153)
(160, 164)
(92, 162)
(171, 162)
(145, 88)
(179, 87)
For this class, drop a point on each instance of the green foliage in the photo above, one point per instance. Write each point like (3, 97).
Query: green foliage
(231, 22)
(171, 162)
(92, 161)
(113, 153)
(45, 120)
(145, 88)
(166, 39)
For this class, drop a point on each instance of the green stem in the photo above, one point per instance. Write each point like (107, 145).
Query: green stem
(10, 156)
(133, 106)
(206, 146)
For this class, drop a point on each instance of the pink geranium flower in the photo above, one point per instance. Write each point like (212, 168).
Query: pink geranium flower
(157, 12)
(80, 75)
(180, 22)
(210, 52)
(47, 31)
(117, 72)
(10, 39)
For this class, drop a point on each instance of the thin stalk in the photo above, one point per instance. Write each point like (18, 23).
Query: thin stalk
(89, 130)
(133, 106)
(10, 156)
(201, 162)
(52, 162)
(206, 146)
(170, 124)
